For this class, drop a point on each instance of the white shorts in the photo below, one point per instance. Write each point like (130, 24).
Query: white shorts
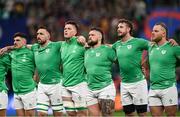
(134, 93)
(163, 97)
(108, 92)
(49, 95)
(26, 101)
(3, 100)
(78, 94)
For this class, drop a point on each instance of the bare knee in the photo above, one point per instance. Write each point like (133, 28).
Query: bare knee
(82, 113)
(42, 114)
(30, 112)
(71, 113)
(2, 112)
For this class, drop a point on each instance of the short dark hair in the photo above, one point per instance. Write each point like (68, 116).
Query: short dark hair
(164, 26)
(99, 30)
(44, 27)
(129, 24)
(74, 24)
(20, 34)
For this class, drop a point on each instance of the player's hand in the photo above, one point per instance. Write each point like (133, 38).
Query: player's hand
(6, 49)
(3, 50)
(173, 42)
(81, 39)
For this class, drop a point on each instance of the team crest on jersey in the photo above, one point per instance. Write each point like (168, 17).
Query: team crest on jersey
(47, 50)
(129, 46)
(24, 60)
(98, 54)
(74, 51)
(163, 51)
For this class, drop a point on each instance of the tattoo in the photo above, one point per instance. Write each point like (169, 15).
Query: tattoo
(107, 106)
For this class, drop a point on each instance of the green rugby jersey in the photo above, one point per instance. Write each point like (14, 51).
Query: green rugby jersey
(48, 61)
(98, 63)
(22, 67)
(4, 66)
(162, 60)
(129, 55)
(72, 54)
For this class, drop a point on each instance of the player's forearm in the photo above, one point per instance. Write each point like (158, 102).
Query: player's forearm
(6, 49)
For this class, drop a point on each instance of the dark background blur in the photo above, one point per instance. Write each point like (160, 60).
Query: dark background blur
(26, 15)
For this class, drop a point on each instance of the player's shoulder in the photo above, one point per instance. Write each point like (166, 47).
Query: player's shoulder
(108, 47)
(116, 44)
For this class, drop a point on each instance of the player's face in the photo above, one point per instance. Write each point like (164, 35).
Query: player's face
(69, 31)
(19, 42)
(94, 37)
(122, 29)
(42, 36)
(157, 33)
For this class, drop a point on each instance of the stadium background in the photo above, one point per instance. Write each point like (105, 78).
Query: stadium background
(26, 15)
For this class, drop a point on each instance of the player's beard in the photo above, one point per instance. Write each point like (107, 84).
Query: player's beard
(122, 36)
(157, 39)
(42, 42)
(92, 43)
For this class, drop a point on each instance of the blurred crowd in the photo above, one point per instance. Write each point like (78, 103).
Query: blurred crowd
(87, 13)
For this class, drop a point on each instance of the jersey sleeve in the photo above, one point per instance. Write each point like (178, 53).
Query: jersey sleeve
(144, 44)
(6, 60)
(112, 54)
(177, 52)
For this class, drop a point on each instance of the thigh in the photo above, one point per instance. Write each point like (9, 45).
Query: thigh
(67, 100)
(18, 104)
(91, 98)
(79, 94)
(29, 100)
(107, 106)
(169, 96)
(94, 110)
(171, 110)
(139, 93)
(156, 110)
(55, 97)
(154, 98)
(3, 100)
(108, 92)
(42, 99)
(126, 98)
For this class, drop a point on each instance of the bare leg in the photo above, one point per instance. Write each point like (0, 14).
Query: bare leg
(3, 113)
(156, 111)
(57, 114)
(42, 114)
(94, 110)
(106, 106)
(20, 112)
(30, 113)
(171, 110)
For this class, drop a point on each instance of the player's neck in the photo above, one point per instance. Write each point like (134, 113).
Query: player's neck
(126, 38)
(162, 42)
(97, 45)
(45, 44)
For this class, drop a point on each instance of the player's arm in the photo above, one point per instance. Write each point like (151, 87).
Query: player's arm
(82, 40)
(36, 76)
(29, 46)
(6, 49)
(145, 66)
(172, 42)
